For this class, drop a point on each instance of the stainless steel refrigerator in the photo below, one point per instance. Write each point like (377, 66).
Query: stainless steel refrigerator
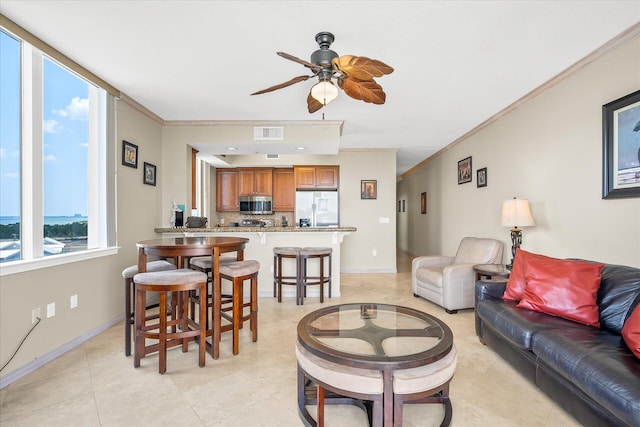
(317, 208)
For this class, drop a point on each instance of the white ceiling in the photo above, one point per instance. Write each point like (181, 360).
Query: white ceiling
(457, 63)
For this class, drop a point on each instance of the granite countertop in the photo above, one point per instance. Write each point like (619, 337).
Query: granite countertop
(254, 229)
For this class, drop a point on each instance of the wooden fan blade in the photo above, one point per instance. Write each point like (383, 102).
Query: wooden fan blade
(313, 104)
(307, 64)
(285, 84)
(361, 67)
(363, 90)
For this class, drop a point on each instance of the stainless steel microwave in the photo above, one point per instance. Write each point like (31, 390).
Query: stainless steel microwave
(256, 205)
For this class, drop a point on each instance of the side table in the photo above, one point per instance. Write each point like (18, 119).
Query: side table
(491, 270)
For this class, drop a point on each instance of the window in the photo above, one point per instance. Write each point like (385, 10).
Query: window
(57, 138)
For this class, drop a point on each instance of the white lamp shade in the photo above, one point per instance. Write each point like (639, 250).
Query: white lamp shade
(324, 92)
(516, 213)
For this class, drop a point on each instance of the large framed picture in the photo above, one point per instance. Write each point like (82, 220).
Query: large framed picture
(149, 174)
(621, 147)
(464, 171)
(129, 154)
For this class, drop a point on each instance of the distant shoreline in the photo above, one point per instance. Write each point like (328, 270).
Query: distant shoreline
(48, 220)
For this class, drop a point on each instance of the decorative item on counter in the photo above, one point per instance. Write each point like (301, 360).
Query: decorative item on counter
(196, 222)
(174, 209)
(285, 221)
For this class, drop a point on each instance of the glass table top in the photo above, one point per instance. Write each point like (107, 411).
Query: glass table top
(375, 334)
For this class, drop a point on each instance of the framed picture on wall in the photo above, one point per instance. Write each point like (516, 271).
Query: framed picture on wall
(129, 154)
(481, 177)
(621, 147)
(149, 174)
(368, 189)
(464, 171)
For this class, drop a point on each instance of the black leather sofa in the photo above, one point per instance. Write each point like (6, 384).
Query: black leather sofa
(589, 372)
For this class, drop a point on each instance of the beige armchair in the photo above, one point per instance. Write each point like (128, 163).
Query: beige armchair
(449, 281)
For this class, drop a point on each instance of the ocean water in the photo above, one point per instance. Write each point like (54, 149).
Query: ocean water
(48, 220)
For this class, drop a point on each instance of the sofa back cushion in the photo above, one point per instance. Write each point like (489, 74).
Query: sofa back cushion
(564, 288)
(479, 251)
(618, 295)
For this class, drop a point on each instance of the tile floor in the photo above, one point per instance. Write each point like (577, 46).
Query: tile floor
(96, 385)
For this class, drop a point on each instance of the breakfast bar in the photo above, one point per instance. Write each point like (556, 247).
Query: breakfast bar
(262, 240)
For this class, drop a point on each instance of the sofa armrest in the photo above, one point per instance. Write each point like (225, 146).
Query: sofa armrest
(489, 289)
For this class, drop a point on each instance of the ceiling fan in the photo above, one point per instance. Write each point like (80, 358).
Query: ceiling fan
(354, 75)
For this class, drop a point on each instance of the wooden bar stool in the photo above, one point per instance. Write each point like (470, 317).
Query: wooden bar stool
(178, 283)
(238, 272)
(279, 279)
(204, 264)
(128, 274)
(321, 279)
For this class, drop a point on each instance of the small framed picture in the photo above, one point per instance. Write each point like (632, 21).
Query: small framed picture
(423, 203)
(129, 154)
(464, 171)
(149, 174)
(368, 189)
(481, 177)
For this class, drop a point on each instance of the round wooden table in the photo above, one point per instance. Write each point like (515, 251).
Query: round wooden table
(182, 248)
(392, 338)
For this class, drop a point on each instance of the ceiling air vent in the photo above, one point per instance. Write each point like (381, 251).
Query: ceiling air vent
(272, 156)
(268, 133)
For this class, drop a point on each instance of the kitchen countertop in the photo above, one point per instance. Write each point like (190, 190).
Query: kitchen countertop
(266, 229)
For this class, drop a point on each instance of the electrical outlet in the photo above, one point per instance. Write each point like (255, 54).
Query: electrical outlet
(35, 315)
(374, 252)
(51, 309)
(73, 301)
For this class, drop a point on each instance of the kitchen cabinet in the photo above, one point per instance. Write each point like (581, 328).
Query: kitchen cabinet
(255, 182)
(284, 190)
(227, 190)
(317, 177)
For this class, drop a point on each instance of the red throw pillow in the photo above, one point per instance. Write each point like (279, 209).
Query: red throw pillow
(631, 331)
(517, 282)
(563, 288)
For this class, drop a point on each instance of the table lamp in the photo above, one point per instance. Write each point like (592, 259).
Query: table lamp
(516, 213)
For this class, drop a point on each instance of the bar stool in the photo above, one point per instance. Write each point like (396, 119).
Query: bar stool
(238, 272)
(305, 280)
(178, 283)
(128, 274)
(280, 253)
(204, 264)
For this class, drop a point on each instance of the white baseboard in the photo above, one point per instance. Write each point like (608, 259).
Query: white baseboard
(54, 354)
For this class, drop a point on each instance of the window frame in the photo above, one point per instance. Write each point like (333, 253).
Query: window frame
(101, 239)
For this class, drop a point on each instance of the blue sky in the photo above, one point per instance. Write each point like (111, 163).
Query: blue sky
(65, 136)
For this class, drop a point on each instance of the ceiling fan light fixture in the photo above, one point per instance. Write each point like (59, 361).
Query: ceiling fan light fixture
(324, 92)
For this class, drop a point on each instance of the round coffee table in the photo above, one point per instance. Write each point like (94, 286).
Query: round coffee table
(378, 337)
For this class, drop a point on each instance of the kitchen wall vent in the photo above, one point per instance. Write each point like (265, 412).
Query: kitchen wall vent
(272, 156)
(261, 133)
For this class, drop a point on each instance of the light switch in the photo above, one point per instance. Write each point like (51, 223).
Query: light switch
(384, 220)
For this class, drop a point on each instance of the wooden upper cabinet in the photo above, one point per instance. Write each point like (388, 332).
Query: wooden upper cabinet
(317, 177)
(284, 191)
(227, 190)
(255, 182)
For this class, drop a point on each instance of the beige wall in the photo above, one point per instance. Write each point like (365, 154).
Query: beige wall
(548, 150)
(97, 282)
